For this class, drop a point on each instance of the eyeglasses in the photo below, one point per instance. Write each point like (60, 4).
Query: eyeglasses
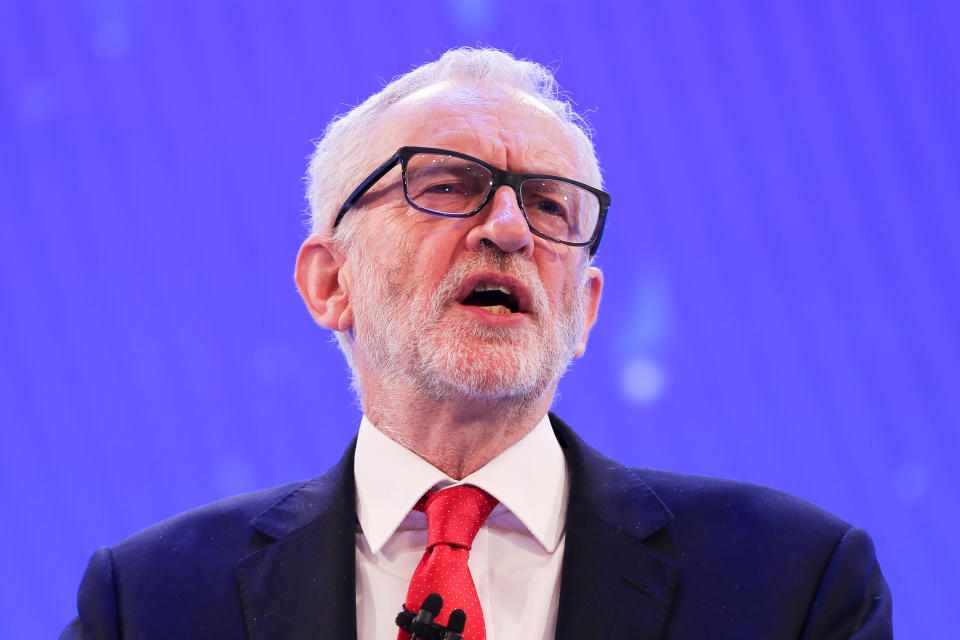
(455, 185)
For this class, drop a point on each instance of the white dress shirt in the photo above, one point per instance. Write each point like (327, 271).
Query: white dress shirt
(516, 556)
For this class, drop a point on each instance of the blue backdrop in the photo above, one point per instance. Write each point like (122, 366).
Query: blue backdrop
(781, 257)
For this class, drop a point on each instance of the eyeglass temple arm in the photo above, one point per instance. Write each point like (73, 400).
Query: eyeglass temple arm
(596, 241)
(364, 186)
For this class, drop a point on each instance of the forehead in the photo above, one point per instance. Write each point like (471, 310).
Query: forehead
(504, 126)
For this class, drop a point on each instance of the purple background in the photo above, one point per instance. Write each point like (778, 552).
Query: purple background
(781, 258)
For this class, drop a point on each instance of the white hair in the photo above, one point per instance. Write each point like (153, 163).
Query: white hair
(342, 155)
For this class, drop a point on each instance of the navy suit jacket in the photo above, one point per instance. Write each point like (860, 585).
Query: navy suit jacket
(649, 555)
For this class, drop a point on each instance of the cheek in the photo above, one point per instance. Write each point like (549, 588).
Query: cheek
(388, 241)
(558, 272)
(417, 262)
(437, 244)
(414, 230)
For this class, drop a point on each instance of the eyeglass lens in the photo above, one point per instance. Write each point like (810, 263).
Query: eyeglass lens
(449, 185)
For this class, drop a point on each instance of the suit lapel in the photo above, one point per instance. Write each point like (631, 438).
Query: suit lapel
(616, 580)
(300, 584)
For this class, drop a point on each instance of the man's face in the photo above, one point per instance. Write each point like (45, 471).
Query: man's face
(416, 316)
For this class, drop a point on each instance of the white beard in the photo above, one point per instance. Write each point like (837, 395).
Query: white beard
(405, 333)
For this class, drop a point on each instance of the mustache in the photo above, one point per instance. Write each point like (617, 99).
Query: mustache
(489, 257)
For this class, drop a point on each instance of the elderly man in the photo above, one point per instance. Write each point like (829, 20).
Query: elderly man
(455, 217)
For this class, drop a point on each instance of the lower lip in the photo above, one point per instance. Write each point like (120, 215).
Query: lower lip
(494, 319)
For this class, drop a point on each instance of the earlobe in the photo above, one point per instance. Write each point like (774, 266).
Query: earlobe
(320, 278)
(591, 291)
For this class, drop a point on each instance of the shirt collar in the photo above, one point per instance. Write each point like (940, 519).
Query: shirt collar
(530, 479)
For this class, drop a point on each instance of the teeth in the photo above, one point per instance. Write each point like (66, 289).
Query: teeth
(496, 309)
(493, 287)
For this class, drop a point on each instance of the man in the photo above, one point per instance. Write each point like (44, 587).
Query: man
(455, 217)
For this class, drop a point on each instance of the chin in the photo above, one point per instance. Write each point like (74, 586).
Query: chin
(488, 371)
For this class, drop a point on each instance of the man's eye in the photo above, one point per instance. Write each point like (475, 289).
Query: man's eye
(550, 208)
(442, 189)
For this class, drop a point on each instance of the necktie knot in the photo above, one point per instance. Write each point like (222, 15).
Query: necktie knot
(455, 515)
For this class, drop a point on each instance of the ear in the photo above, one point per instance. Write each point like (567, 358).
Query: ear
(591, 291)
(324, 283)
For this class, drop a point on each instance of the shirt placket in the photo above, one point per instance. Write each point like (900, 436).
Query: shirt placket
(479, 563)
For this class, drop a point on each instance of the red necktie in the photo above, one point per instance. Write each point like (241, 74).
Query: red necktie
(454, 516)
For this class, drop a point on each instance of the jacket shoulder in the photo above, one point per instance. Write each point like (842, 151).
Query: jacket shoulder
(771, 560)
(723, 503)
(224, 524)
(177, 577)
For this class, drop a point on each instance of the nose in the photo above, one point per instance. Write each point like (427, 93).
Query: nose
(502, 223)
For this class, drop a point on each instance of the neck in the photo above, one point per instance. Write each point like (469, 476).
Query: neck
(457, 436)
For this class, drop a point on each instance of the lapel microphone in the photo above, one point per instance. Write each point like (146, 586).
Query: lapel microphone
(422, 627)
(455, 625)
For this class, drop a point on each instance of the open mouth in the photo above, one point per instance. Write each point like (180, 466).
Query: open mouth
(495, 298)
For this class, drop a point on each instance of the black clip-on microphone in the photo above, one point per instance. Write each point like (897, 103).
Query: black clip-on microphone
(422, 627)
(455, 625)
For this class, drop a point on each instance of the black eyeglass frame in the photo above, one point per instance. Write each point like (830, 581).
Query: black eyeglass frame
(499, 178)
